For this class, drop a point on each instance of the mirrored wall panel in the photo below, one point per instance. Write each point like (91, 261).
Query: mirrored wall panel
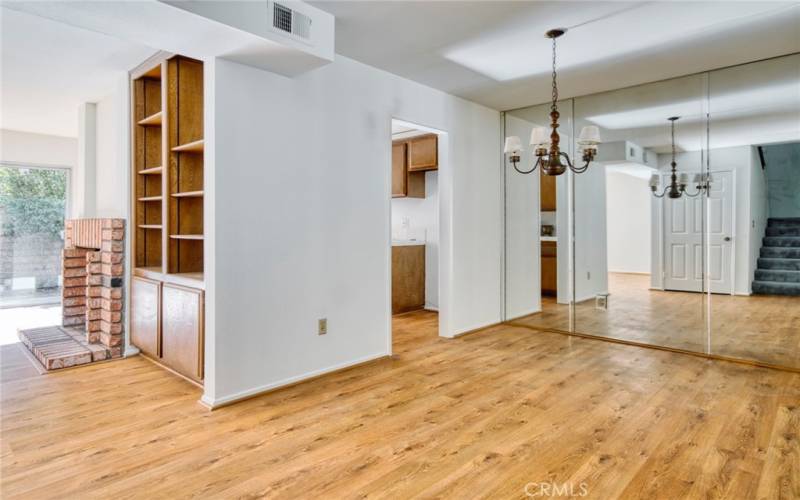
(639, 252)
(538, 289)
(754, 211)
(684, 231)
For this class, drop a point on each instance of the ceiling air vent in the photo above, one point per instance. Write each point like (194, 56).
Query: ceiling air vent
(290, 21)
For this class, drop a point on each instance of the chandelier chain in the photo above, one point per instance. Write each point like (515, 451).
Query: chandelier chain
(553, 107)
(673, 141)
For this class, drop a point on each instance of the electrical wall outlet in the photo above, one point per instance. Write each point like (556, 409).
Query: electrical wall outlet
(322, 328)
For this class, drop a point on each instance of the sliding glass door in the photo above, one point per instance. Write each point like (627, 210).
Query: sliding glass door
(33, 203)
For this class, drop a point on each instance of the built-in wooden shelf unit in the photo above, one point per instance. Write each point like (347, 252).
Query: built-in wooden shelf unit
(167, 309)
(168, 165)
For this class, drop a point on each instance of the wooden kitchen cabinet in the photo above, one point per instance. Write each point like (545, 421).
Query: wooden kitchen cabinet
(405, 184)
(408, 278)
(547, 192)
(423, 153)
(182, 327)
(146, 315)
(549, 268)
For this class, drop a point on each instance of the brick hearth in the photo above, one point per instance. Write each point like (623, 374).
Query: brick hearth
(92, 301)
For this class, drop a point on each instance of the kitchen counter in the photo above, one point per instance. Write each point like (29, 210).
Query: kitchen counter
(407, 243)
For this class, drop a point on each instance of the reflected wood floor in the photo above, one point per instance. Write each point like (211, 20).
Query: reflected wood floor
(481, 416)
(759, 327)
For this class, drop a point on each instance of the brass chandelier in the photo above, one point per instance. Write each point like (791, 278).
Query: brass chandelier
(547, 151)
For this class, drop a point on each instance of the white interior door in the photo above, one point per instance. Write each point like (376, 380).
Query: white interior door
(720, 232)
(683, 243)
(683, 239)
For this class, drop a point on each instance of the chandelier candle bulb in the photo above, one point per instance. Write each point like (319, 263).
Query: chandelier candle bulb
(655, 179)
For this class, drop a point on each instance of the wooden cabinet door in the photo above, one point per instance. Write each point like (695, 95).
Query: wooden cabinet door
(423, 153)
(182, 330)
(399, 178)
(548, 193)
(146, 315)
(549, 268)
(408, 278)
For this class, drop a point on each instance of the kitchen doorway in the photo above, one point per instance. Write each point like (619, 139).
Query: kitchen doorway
(415, 230)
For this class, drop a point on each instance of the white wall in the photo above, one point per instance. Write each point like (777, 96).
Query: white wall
(300, 219)
(591, 249)
(759, 212)
(84, 186)
(38, 149)
(112, 157)
(423, 215)
(628, 219)
(523, 288)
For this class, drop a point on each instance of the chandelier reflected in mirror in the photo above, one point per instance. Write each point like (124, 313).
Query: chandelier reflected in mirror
(546, 148)
(677, 186)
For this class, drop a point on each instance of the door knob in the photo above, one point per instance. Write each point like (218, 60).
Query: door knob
(727, 238)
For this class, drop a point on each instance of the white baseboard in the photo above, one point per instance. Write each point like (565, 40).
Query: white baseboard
(213, 403)
(463, 331)
(527, 313)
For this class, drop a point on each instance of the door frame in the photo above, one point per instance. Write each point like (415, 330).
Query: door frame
(445, 228)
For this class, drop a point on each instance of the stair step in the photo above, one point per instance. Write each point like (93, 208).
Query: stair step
(782, 241)
(783, 231)
(778, 264)
(783, 221)
(780, 275)
(776, 288)
(780, 252)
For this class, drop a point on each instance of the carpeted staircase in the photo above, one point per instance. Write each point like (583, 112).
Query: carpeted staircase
(778, 270)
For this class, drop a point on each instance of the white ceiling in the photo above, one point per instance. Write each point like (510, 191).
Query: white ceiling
(49, 68)
(494, 52)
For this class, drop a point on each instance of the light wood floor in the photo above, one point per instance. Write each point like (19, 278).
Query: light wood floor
(760, 328)
(476, 417)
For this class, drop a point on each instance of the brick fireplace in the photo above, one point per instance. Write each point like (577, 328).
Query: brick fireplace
(93, 272)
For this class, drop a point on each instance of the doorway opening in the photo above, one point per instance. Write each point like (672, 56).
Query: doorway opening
(33, 201)
(415, 241)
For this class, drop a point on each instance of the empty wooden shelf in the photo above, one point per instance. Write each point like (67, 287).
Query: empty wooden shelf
(188, 194)
(149, 226)
(190, 147)
(152, 120)
(152, 171)
(186, 236)
(151, 198)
